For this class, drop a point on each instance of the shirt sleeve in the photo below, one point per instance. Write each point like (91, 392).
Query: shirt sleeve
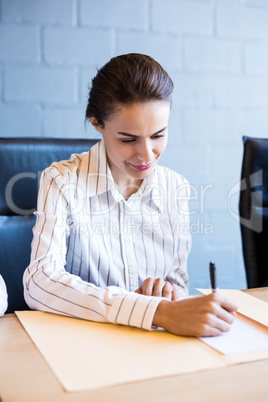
(178, 275)
(3, 296)
(49, 287)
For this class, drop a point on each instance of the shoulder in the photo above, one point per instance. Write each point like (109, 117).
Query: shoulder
(173, 186)
(65, 169)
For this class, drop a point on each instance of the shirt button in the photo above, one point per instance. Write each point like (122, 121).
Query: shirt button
(131, 271)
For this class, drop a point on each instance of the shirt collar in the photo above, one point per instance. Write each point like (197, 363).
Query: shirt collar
(95, 175)
(95, 178)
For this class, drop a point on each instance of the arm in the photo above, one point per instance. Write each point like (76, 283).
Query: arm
(47, 285)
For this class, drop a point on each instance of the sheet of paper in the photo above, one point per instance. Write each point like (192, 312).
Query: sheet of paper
(249, 306)
(243, 337)
(86, 355)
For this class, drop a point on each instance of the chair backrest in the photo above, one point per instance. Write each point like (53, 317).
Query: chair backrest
(22, 161)
(253, 209)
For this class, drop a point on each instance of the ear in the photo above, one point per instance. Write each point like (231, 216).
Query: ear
(95, 124)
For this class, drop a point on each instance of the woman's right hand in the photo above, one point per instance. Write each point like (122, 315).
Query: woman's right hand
(196, 316)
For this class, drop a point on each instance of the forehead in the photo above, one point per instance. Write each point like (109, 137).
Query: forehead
(140, 117)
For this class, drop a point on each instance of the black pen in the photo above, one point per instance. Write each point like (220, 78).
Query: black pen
(213, 277)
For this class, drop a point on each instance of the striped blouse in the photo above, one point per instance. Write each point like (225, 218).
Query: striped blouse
(92, 249)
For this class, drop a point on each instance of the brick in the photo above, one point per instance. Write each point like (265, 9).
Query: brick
(38, 11)
(32, 84)
(223, 175)
(20, 121)
(255, 123)
(226, 228)
(211, 126)
(230, 267)
(198, 268)
(18, 43)
(77, 46)
(241, 91)
(226, 166)
(63, 122)
(166, 49)
(219, 187)
(212, 55)
(67, 123)
(86, 75)
(181, 159)
(192, 90)
(175, 129)
(257, 3)
(182, 17)
(235, 21)
(201, 225)
(256, 58)
(127, 14)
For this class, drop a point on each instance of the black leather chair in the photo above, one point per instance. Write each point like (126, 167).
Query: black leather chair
(253, 210)
(22, 161)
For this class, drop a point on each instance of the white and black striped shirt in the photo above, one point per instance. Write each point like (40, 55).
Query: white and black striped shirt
(92, 249)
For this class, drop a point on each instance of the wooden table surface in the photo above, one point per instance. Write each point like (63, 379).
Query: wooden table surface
(25, 376)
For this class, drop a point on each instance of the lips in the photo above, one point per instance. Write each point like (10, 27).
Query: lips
(142, 167)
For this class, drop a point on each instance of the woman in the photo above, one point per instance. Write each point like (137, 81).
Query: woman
(112, 238)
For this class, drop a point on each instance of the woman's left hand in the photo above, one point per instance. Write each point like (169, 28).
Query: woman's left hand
(160, 288)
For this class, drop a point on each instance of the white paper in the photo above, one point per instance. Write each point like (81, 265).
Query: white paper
(242, 338)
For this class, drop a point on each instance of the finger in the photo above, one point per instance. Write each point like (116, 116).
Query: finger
(234, 313)
(167, 290)
(175, 294)
(159, 283)
(228, 304)
(209, 331)
(147, 287)
(214, 326)
(224, 315)
(138, 291)
(215, 309)
(221, 325)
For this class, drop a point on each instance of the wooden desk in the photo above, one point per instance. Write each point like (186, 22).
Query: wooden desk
(25, 376)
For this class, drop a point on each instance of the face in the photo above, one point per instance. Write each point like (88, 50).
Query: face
(135, 137)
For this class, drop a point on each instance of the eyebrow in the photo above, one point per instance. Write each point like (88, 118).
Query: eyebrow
(136, 136)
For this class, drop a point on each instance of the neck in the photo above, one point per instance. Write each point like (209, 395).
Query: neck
(127, 189)
(125, 184)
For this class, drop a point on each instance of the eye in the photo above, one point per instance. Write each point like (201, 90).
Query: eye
(127, 141)
(155, 137)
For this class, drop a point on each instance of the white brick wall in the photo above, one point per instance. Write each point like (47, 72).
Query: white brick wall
(212, 55)
(76, 46)
(217, 54)
(19, 44)
(117, 14)
(239, 21)
(40, 84)
(52, 12)
(182, 17)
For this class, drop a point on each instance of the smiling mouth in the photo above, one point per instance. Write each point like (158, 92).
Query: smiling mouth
(142, 167)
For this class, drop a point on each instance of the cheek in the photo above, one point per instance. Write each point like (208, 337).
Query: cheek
(159, 148)
(122, 153)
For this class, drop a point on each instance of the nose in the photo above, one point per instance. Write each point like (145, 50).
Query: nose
(145, 152)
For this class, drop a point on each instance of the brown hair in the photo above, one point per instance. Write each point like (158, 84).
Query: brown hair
(124, 80)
